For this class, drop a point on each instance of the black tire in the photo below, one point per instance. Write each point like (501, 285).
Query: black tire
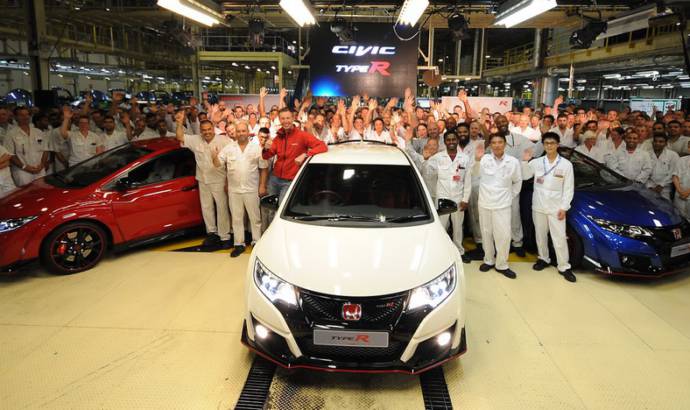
(73, 248)
(575, 249)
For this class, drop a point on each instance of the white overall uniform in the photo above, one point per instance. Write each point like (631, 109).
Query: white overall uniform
(6, 183)
(212, 180)
(473, 213)
(501, 181)
(115, 139)
(636, 166)
(554, 186)
(566, 136)
(682, 171)
(29, 149)
(662, 171)
(454, 182)
(83, 147)
(242, 168)
(597, 153)
(516, 145)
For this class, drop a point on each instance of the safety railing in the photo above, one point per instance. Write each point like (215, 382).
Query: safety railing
(223, 42)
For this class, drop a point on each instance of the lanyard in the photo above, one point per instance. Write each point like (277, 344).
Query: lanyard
(553, 167)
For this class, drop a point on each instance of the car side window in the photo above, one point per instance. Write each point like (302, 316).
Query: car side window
(177, 164)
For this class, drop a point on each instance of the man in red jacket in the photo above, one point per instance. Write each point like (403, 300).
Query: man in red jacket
(291, 146)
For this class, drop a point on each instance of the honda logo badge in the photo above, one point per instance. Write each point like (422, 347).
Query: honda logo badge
(677, 233)
(352, 311)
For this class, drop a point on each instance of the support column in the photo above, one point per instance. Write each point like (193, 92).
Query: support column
(475, 55)
(196, 79)
(40, 67)
(280, 74)
(550, 90)
(571, 82)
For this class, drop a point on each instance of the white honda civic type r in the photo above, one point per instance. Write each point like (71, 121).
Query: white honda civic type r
(356, 273)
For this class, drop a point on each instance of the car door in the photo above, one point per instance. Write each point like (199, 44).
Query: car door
(158, 196)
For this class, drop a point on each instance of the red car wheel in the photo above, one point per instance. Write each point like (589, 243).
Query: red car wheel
(73, 248)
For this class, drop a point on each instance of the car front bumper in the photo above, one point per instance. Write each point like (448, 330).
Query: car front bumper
(643, 258)
(413, 337)
(18, 247)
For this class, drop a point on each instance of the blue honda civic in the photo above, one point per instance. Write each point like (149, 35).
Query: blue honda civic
(617, 226)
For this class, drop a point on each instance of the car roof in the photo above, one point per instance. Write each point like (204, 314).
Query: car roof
(362, 153)
(158, 144)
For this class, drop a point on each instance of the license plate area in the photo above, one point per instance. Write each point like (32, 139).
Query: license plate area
(350, 338)
(680, 250)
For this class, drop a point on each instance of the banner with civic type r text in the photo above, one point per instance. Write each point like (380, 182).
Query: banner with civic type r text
(376, 62)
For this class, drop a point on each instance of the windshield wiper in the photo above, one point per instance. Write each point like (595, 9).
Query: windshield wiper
(337, 218)
(408, 218)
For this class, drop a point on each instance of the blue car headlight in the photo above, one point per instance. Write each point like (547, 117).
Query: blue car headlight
(7, 225)
(274, 288)
(630, 231)
(434, 292)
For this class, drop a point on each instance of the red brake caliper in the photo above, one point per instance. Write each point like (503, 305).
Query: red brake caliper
(61, 249)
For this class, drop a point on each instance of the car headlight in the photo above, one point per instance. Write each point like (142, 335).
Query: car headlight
(631, 231)
(434, 292)
(7, 225)
(273, 287)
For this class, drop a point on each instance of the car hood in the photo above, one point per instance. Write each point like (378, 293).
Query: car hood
(355, 261)
(630, 205)
(37, 198)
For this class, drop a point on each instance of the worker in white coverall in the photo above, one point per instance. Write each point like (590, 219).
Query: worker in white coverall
(247, 175)
(212, 180)
(554, 186)
(452, 171)
(515, 146)
(632, 162)
(501, 182)
(665, 163)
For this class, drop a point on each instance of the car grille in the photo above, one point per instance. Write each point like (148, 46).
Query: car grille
(352, 354)
(665, 234)
(381, 310)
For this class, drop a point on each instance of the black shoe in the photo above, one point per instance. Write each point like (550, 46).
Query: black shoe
(568, 275)
(540, 265)
(212, 239)
(519, 251)
(507, 273)
(465, 258)
(226, 244)
(239, 250)
(476, 254)
(485, 267)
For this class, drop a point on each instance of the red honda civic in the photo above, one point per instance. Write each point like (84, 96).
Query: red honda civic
(134, 194)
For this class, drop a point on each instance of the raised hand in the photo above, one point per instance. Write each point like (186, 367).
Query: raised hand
(479, 152)
(355, 101)
(179, 117)
(263, 92)
(283, 93)
(408, 93)
(527, 154)
(462, 95)
(67, 112)
(558, 102)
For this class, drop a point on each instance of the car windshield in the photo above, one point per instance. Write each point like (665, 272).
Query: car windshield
(96, 168)
(344, 193)
(590, 173)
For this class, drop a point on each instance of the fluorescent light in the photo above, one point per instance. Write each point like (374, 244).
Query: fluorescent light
(522, 11)
(612, 76)
(298, 11)
(190, 11)
(411, 11)
(234, 64)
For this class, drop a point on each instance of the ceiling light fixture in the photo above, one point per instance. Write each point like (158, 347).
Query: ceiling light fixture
(191, 10)
(298, 11)
(515, 12)
(411, 11)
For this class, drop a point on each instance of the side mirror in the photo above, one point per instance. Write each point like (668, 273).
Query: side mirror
(270, 202)
(123, 184)
(446, 206)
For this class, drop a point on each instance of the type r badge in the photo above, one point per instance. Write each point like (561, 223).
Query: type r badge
(352, 311)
